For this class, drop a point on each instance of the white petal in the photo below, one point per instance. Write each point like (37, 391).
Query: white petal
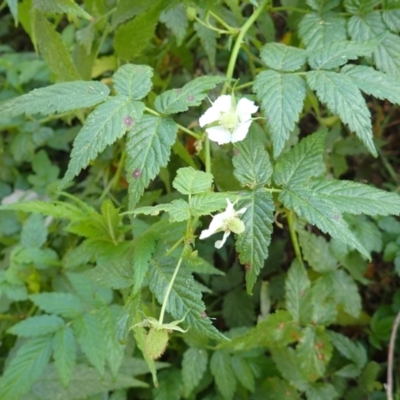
(244, 108)
(216, 225)
(213, 114)
(241, 211)
(240, 131)
(219, 134)
(206, 233)
(220, 243)
(223, 103)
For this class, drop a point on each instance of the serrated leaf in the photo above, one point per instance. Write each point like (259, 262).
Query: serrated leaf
(238, 309)
(277, 389)
(297, 287)
(185, 297)
(353, 351)
(34, 232)
(374, 83)
(320, 212)
(336, 54)
(37, 326)
(89, 334)
(317, 31)
(176, 20)
(303, 162)
(281, 97)
(192, 94)
(194, 365)
(321, 391)
(65, 304)
(107, 123)
(283, 58)
(58, 98)
(360, 6)
(27, 365)
(170, 385)
(64, 348)
(344, 291)
(343, 97)
(313, 353)
(243, 372)
(221, 368)
(61, 7)
(252, 244)
(51, 46)
(207, 203)
(208, 39)
(148, 149)
(391, 18)
(189, 181)
(113, 273)
(133, 81)
(251, 161)
(357, 198)
(324, 310)
(178, 210)
(322, 5)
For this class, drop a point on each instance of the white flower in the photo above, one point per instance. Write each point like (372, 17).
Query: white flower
(231, 121)
(227, 222)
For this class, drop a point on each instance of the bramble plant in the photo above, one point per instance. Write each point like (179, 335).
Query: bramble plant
(247, 121)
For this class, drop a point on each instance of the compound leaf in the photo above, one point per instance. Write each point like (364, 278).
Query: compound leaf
(194, 365)
(283, 58)
(190, 181)
(133, 81)
(221, 368)
(37, 326)
(64, 348)
(65, 304)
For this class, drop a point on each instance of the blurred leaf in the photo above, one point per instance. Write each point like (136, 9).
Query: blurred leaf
(194, 365)
(221, 368)
(64, 348)
(37, 326)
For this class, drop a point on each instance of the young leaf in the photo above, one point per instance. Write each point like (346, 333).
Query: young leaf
(194, 365)
(185, 297)
(148, 149)
(61, 7)
(281, 97)
(322, 5)
(27, 365)
(190, 181)
(37, 326)
(374, 83)
(251, 161)
(192, 94)
(280, 57)
(176, 20)
(342, 97)
(58, 98)
(64, 350)
(317, 31)
(252, 244)
(90, 337)
(302, 162)
(107, 123)
(221, 368)
(65, 304)
(133, 81)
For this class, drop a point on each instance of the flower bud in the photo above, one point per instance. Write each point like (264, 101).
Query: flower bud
(191, 13)
(156, 343)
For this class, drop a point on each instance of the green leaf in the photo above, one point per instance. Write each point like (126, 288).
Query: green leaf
(321, 391)
(281, 97)
(58, 98)
(107, 123)
(133, 81)
(322, 5)
(357, 198)
(297, 287)
(189, 181)
(278, 389)
(64, 348)
(360, 6)
(191, 95)
(243, 372)
(34, 232)
(89, 333)
(336, 54)
(251, 161)
(283, 58)
(206, 203)
(391, 18)
(61, 7)
(369, 376)
(148, 149)
(374, 83)
(185, 297)
(317, 31)
(176, 20)
(303, 162)
(37, 326)
(51, 46)
(313, 353)
(27, 365)
(65, 304)
(141, 28)
(208, 39)
(353, 351)
(343, 97)
(324, 311)
(344, 291)
(169, 387)
(252, 244)
(221, 368)
(238, 309)
(178, 210)
(13, 6)
(194, 365)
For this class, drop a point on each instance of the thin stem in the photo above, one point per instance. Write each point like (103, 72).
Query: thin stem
(293, 236)
(238, 43)
(221, 21)
(171, 283)
(106, 15)
(207, 152)
(243, 86)
(176, 244)
(389, 386)
(211, 27)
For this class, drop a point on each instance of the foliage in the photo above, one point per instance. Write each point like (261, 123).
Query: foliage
(107, 183)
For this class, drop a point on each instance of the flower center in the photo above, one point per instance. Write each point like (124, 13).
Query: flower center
(229, 120)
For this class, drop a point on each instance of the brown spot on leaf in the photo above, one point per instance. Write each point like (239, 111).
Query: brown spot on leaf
(136, 173)
(128, 121)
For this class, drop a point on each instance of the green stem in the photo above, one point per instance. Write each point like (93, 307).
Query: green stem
(288, 8)
(212, 27)
(238, 43)
(171, 283)
(221, 21)
(293, 236)
(207, 152)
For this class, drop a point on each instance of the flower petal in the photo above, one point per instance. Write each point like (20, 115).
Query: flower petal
(244, 108)
(219, 134)
(220, 243)
(240, 131)
(213, 114)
